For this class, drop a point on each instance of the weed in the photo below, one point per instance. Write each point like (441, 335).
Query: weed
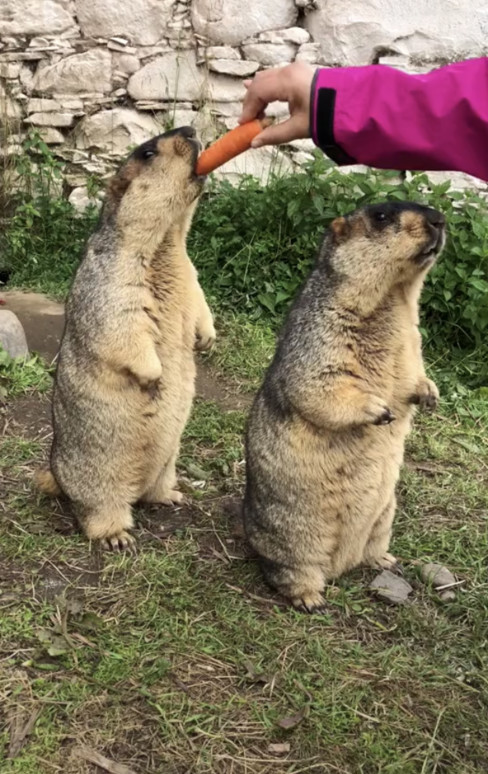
(19, 376)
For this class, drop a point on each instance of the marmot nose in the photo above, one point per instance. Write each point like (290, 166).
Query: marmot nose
(435, 218)
(186, 131)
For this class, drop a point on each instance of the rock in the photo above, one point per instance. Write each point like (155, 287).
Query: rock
(127, 63)
(9, 70)
(227, 21)
(171, 76)
(222, 52)
(436, 574)
(239, 68)
(261, 163)
(80, 200)
(115, 130)
(175, 76)
(50, 119)
(270, 53)
(51, 136)
(9, 108)
(76, 74)
(392, 588)
(447, 596)
(308, 52)
(12, 336)
(295, 35)
(40, 105)
(34, 17)
(144, 22)
(352, 33)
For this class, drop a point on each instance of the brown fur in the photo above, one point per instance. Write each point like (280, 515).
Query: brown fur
(326, 433)
(125, 378)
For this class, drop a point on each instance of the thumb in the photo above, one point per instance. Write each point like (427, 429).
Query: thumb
(277, 134)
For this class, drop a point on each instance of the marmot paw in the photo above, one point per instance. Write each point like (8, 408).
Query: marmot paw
(426, 395)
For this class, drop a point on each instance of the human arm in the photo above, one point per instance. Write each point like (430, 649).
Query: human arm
(382, 117)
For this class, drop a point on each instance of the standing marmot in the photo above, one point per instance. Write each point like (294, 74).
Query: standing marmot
(125, 378)
(326, 432)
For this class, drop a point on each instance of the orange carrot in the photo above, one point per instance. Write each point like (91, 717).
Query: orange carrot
(230, 145)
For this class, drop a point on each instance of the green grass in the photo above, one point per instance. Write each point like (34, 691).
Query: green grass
(179, 659)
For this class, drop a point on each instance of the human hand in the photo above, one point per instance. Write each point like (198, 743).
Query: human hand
(290, 84)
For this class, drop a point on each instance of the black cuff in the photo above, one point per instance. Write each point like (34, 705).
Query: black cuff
(325, 125)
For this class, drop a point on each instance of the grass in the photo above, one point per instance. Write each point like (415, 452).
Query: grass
(180, 660)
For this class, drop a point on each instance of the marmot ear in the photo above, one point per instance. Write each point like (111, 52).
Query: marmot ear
(340, 229)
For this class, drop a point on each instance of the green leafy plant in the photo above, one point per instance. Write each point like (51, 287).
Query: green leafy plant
(254, 244)
(44, 237)
(19, 376)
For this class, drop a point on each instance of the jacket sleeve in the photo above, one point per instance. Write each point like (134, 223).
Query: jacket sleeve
(382, 117)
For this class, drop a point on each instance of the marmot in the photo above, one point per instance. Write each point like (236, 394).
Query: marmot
(125, 377)
(326, 433)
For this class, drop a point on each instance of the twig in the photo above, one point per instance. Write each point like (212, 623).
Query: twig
(92, 756)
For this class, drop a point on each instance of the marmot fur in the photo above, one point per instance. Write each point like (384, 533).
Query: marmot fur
(326, 433)
(125, 377)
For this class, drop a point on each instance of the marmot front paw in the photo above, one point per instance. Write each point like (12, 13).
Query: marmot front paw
(426, 395)
(377, 412)
(205, 338)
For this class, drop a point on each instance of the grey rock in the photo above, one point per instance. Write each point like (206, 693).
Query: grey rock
(392, 588)
(12, 336)
(447, 596)
(436, 574)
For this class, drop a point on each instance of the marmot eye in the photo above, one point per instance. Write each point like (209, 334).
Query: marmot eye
(380, 217)
(147, 154)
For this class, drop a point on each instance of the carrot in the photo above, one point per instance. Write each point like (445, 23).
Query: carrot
(230, 145)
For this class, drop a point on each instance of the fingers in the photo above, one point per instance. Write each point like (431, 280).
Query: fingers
(294, 128)
(265, 87)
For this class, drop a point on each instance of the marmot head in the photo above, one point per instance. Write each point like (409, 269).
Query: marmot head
(390, 243)
(158, 180)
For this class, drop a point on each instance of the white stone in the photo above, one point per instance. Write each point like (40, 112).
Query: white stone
(52, 136)
(208, 128)
(295, 35)
(9, 108)
(175, 76)
(226, 108)
(12, 336)
(231, 21)
(269, 53)
(117, 48)
(261, 163)
(73, 74)
(115, 130)
(40, 105)
(26, 78)
(9, 70)
(300, 158)
(50, 119)
(127, 63)
(69, 103)
(459, 181)
(308, 52)
(80, 200)
(141, 21)
(352, 32)
(305, 145)
(34, 17)
(240, 68)
(221, 52)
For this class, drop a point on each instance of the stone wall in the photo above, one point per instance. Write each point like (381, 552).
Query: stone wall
(97, 76)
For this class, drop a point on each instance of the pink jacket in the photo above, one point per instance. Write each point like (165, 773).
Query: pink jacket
(384, 118)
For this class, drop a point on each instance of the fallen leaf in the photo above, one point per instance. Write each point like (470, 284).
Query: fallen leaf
(19, 731)
(279, 748)
(54, 644)
(291, 721)
(92, 756)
